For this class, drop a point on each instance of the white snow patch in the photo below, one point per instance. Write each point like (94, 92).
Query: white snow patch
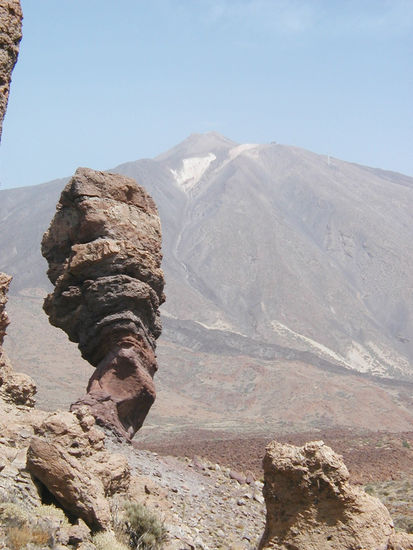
(377, 360)
(192, 170)
(360, 358)
(218, 324)
(368, 358)
(311, 345)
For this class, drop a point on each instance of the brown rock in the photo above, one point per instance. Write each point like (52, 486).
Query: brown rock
(68, 456)
(312, 506)
(104, 252)
(249, 477)
(10, 35)
(400, 541)
(238, 476)
(15, 387)
(5, 281)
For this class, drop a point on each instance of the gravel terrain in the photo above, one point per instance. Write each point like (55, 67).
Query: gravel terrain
(204, 505)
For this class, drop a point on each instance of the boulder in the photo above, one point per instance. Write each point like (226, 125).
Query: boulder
(312, 506)
(68, 456)
(104, 253)
(10, 35)
(16, 387)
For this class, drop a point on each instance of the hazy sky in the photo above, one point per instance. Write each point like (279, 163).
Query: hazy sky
(101, 82)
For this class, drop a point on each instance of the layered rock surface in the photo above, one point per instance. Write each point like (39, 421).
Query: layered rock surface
(104, 252)
(312, 506)
(10, 35)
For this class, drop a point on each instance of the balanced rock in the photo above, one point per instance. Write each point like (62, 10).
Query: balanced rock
(104, 253)
(312, 506)
(10, 35)
(68, 456)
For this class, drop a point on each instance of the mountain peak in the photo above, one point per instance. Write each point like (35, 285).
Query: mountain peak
(199, 144)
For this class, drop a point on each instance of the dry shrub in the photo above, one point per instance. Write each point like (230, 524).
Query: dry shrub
(144, 529)
(13, 515)
(19, 537)
(108, 541)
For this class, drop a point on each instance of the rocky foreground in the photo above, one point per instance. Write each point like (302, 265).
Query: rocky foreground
(65, 483)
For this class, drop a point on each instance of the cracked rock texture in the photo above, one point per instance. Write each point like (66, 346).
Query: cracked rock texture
(5, 281)
(68, 456)
(104, 253)
(312, 506)
(10, 35)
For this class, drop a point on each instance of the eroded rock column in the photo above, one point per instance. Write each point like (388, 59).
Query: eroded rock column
(10, 35)
(104, 253)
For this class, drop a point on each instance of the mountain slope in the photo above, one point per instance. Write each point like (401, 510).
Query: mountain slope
(287, 246)
(277, 261)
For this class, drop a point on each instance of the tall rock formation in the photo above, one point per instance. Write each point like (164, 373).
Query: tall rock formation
(104, 252)
(312, 506)
(10, 35)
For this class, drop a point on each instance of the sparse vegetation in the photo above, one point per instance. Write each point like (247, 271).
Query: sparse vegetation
(22, 527)
(108, 541)
(369, 490)
(397, 496)
(13, 515)
(19, 537)
(144, 530)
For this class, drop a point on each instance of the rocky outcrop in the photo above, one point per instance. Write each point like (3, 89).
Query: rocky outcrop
(5, 281)
(68, 456)
(15, 387)
(10, 35)
(64, 451)
(312, 506)
(104, 252)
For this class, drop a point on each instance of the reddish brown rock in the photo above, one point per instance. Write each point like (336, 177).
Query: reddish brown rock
(312, 506)
(104, 252)
(10, 35)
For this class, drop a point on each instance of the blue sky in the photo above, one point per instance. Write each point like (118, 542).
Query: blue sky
(101, 82)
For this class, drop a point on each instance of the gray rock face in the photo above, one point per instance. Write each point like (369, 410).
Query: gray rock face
(280, 245)
(104, 252)
(10, 35)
